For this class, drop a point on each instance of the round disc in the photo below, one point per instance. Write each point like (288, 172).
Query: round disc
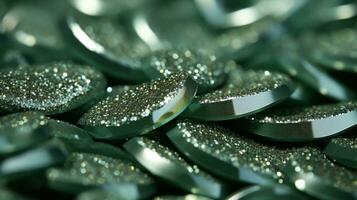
(83, 171)
(244, 94)
(50, 88)
(141, 109)
(305, 123)
(343, 149)
(170, 166)
(228, 154)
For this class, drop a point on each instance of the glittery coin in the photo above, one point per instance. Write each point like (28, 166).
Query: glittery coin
(141, 109)
(267, 192)
(245, 93)
(83, 171)
(305, 123)
(165, 163)
(60, 129)
(186, 197)
(105, 7)
(311, 172)
(52, 88)
(19, 131)
(34, 160)
(228, 154)
(107, 45)
(343, 149)
(202, 67)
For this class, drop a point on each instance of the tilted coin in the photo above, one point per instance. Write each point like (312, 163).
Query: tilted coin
(228, 154)
(311, 172)
(63, 130)
(165, 163)
(119, 193)
(141, 109)
(245, 93)
(267, 192)
(83, 171)
(304, 123)
(343, 149)
(108, 45)
(201, 66)
(19, 131)
(186, 197)
(50, 88)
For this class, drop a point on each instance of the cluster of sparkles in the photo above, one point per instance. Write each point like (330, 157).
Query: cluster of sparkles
(91, 169)
(234, 149)
(348, 141)
(312, 162)
(52, 88)
(305, 114)
(173, 156)
(245, 84)
(24, 120)
(134, 104)
(202, 67)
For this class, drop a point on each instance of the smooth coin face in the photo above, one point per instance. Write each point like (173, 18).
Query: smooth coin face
(109, 45)
(305, 123)
(203, 67)
(92, 170)
(167, 164)
(343, 149)
(245, 93)
(228, 154)
(313, 173)
(50, 88)
(141, 109)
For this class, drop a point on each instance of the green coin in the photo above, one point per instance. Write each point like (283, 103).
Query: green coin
(107, 44)
(201, 66)
(33, 161)
(50, 88)
(165, 163)
(119, 193)
(229, 154)
(343, 150)
(106, 7)
(267, 192)
(304, 123)
(64, 130)
(83, 171)
(245, 93)
(186, 197)
(19, 131)
(311, 172)
(141, 109)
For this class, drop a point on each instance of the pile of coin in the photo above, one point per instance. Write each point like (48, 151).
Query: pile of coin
(178, 100)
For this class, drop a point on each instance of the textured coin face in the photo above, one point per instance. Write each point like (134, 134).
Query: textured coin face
(165, 163)
(109, 46)
(310, 171)
(203, 67)
(92, 170)
(228, 154)
(245, 93)
(141, 109)
(343, 149)
(21, 130)
(50, 88)
(305, 123)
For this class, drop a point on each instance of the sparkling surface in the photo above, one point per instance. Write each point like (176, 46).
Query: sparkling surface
(51, 88)
(92, 169)
(172, 156)
(305, 114)
(202, 67)
(311, 161)
(25, 120)
(347, 140)
(245, 84)
(134, 104)
(235, 149)
(186, 197)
